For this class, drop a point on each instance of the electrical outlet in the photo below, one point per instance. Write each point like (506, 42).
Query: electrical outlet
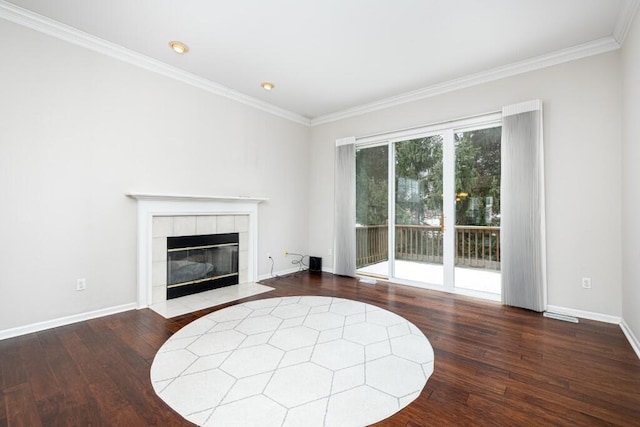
(329, 251)
(268, 255)
(81, 284)
(586, 282)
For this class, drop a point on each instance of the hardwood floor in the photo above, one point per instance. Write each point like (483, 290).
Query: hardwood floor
(494, 365)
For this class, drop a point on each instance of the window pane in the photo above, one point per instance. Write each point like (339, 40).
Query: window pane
(418, 222)
(477, 257)
(372, 199)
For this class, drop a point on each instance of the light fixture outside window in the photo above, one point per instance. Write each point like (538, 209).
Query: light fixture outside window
(267, 85)
(178, 47)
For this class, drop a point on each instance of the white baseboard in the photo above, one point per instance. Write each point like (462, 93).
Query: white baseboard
(633, 340)
(584, 314)
(62, 321)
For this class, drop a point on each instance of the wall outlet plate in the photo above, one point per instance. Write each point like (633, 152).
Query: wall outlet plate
(81, 284)
(586, 282)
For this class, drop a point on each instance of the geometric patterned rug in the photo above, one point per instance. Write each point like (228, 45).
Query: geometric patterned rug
(293, 361)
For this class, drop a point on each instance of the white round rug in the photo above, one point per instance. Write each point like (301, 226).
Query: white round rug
(293, 361)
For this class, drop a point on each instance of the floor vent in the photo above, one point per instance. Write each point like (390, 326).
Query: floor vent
(559, 316)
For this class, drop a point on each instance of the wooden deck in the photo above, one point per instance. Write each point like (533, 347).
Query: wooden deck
(477, 247)
(494, 365)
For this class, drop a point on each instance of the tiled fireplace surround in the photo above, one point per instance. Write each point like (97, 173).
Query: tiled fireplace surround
(162, 216)
(193, 225)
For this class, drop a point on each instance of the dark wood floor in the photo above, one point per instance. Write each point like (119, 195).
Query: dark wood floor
(494, 365)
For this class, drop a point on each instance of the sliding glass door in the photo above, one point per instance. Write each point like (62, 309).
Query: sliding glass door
(477, 177)
(428, 208)
(419, 214)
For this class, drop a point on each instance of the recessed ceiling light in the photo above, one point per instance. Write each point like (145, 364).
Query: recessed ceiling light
(178, 47)
(267, 85)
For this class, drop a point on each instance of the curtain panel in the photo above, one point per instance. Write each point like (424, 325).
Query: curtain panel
(345, 208)
(523, 245)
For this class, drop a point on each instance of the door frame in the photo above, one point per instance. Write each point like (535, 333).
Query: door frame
(447, 130)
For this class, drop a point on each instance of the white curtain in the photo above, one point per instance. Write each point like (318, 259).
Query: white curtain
(345, 208)
(523, 246)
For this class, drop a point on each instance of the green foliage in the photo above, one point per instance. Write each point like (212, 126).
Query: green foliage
(419, 187)
(478, 174)
(418, 160)
(372, 179)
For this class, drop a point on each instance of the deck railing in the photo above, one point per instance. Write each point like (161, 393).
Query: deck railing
(475, 246)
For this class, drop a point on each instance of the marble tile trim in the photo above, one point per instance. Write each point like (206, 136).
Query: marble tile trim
(291, 361)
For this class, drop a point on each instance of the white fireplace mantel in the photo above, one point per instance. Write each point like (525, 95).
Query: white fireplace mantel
(176, 197)
(152, 204)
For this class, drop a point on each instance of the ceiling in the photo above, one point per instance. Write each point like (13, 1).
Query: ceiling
(332, 56)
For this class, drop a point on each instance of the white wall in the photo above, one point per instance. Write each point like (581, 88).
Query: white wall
(582, 107)
(630, 179)
(78, 130)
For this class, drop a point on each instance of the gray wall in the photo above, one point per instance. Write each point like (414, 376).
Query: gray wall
(582, 131)
(78, 130)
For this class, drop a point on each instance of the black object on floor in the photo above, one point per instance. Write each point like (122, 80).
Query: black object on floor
(315, 264)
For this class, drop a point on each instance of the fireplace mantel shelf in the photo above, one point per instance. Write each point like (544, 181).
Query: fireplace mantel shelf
(180, 197)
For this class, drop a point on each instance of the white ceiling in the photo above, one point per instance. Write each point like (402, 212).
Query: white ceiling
(327, 56)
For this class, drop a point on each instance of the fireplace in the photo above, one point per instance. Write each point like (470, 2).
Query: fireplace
(163, 215)
(201, 263)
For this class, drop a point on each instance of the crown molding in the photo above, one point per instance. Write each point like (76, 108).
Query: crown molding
(595, 47)
(29, 19)
(625, 19)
